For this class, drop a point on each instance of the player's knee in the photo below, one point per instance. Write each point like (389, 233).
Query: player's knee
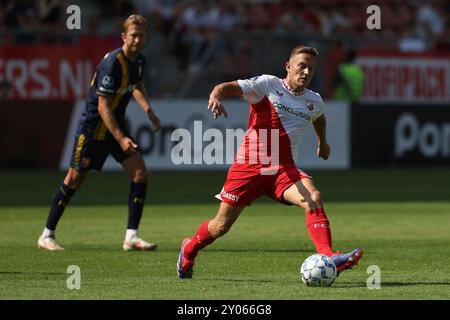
(140, 175)
(316, 199)
(72, 184)
(74, 180)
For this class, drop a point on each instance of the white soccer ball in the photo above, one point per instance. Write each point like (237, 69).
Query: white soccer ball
(318, 270)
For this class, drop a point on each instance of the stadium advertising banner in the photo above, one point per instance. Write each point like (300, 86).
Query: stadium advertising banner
(190, 139)
(401, 77)
(392, 134)
(48, 72)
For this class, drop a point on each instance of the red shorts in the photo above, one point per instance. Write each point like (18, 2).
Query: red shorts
(245, 183)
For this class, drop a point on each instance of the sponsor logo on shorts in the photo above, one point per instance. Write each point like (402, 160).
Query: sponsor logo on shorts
(229, 196)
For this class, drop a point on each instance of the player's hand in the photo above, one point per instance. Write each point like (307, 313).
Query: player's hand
(217, 108)
(154, 119)
(323, 150)
(128, 146)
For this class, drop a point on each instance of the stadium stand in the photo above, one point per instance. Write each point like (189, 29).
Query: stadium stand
(201, 42)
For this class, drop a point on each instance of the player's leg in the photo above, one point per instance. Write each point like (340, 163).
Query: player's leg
(305, 195)
(224, 219)
(210, 230)
(61, 199)
(243, 185)
(134, 166)
(206, 234)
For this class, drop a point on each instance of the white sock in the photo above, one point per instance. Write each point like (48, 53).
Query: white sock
(48, 233)
(131, 233)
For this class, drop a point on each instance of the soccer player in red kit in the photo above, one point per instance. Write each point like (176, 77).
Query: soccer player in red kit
(284, 107)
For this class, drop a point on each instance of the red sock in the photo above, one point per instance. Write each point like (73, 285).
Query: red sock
(319, 230)
(200, 240)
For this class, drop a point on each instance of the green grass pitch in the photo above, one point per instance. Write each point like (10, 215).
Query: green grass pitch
(400, 217)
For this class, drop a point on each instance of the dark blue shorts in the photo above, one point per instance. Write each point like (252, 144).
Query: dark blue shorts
(88, 153)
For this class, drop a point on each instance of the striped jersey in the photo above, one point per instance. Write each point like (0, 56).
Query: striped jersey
(116, 76)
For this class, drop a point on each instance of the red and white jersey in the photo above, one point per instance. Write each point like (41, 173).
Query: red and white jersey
(276, 108)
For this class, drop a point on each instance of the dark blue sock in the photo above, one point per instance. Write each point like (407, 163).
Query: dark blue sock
(136, 202)
(60, 201)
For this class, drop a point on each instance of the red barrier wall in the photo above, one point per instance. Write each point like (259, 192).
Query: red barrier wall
(32, 133)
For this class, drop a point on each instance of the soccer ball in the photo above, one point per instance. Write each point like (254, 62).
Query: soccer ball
(318, 270)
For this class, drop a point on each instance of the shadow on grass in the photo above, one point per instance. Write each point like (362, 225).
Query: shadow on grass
(12, 273)
(391, 284)
(194, 187)
(421, 283)
(260, 250)
(240, 280)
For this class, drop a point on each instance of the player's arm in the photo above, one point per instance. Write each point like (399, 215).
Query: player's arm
(221, 91)
(140, 95)
(320, 126)
(104, 109)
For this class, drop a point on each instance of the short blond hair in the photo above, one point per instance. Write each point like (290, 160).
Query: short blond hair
(304, 49)
(135, 19)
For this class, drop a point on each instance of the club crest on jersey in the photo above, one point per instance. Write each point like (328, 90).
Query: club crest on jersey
(310, 105)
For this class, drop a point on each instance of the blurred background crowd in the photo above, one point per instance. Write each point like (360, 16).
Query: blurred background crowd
(206, 41)
(399, 73)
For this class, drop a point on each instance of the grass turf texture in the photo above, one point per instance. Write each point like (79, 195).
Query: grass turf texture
(401, 219)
